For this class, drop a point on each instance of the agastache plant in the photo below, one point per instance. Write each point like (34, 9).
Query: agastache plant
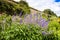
(44, 33)
(35, 19)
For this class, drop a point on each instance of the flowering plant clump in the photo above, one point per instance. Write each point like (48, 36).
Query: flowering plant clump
(35, 19)
(31, 27)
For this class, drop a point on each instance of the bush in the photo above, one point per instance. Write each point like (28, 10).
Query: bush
(16, 31)
(21, 32)
(25, 32)
(7, 7)
(54, 27)
(11, 7)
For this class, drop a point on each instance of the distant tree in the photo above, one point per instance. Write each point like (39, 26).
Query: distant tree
(49, 12)
(6, 6)
(1, 6)
(24, 7)
(11, 7)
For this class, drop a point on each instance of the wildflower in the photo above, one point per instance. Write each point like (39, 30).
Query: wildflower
(20, 14)
(25, 16)
(21, 21)
(43, 32)
(44, 24)
(36, 19)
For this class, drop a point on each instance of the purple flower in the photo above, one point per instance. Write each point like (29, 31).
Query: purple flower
(21, 21)
(35, 14)
(44, 24)
(43, 32)
(36, 19)
(20, 14)
(30, 16)
(25, 16)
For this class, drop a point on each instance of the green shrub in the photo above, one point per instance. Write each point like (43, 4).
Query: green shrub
(5, 21)
(54, 27)
(49, 37)
(16, 31)
(21, 32)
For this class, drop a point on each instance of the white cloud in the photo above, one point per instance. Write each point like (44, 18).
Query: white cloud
(45, 4)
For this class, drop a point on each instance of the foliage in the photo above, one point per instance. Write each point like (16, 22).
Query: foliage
(49, 12)
(7, 7)
(54, 27)
(21, 32)
(54, 24)
(15, 31)
(24, 7)
(59, 16)
(58, 19)
(11, 7)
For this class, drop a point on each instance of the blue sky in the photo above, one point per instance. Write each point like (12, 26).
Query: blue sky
(57, 0)
(54, 5)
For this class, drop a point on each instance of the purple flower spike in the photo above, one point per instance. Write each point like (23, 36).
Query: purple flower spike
(20, 14)
(44, 24)
(30, 15)
(25, 16)
(35, 19)
(21, 21)
(35, 14)
(43, 32)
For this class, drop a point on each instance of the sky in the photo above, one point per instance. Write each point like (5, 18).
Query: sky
(57, 0)
(54, 5)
